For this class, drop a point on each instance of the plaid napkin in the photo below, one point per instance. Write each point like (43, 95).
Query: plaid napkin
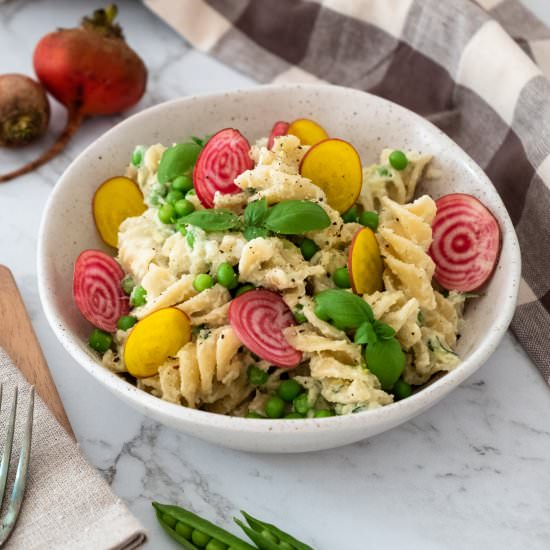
(477, 70)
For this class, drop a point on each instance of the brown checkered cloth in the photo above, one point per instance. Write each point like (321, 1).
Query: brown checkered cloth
(474, 69)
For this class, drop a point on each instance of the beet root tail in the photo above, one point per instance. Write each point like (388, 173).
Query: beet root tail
(74, 120)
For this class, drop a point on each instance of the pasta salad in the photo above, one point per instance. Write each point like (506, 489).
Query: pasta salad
(283, 279)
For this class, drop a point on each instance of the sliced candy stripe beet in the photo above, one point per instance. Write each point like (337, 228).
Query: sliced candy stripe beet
(223, 158)
(466, 242)
(259, 317)
(280, 128)
(97, 291)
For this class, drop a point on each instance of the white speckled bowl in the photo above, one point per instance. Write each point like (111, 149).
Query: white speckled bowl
(370, 123)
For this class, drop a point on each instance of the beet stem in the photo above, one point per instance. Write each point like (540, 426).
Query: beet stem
(74, 120)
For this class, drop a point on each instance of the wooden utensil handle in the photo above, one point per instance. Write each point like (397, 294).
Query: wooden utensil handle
(18, 338)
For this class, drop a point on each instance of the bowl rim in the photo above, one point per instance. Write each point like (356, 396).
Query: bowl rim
(388, 414)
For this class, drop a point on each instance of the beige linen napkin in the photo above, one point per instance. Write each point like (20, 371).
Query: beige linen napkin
(68, 505)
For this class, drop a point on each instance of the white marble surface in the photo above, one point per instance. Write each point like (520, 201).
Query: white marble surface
(470, 473)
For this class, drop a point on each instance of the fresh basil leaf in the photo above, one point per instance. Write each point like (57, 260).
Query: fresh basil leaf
(365, 334)
(250, 232)
(386, 360)
(255, 213)
(295, 217)
(383, 331)
(212, 219)
(346, 310)
(177, 161)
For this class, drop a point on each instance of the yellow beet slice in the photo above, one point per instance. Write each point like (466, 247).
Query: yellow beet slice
(154, 339)
(115, 200)
(365, 263)
(334, 165)
(307, 131)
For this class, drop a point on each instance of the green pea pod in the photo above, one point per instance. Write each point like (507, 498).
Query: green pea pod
(262, 542)
(178, 538)
(191, 519)
(260, 526)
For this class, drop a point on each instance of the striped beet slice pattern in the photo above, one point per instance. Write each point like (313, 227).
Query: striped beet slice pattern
(97, 289)
(224, 157)
(259, 317)
(280, 128)
(466, 242)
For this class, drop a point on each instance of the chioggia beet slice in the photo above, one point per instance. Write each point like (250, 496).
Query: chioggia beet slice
(365, 263)
(259, 317)
(97, 289)
(115, 200)
(466, 242)
(335, 166)
(154, 339)
(307, 131)
(280, 128)
(223, 158)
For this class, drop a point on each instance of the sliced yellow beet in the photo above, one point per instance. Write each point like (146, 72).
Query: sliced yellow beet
(365, 263)
(115, 200)
(334, 165)
(307, 131)
(154, 339)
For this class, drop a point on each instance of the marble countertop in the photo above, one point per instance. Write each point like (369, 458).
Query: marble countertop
(472, 472)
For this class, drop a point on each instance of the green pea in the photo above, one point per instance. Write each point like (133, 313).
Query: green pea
(183, 184)
(341, 278)
(137, 156)
(173, 197)
(401, 390)
(159, 189)
(256, 375)
(288, 390)
(252, 414)
(183, 529)
(244, 288)
(126, 322)
(138, 297)
(202, 282)
(351, 215)
(266, 534)
(190, 193)
(275, 407)
(167, 214)
(169, 520)
(216, 545)
(308, 248)
(100, 340)
(200, 539)
(294, 415)
(183, 207)
(127, 285)
(398, 160)
(321, 313)
(177, 161)
(301, 403)
(369, 219)
(299, 316)
(226, 276)
(323, 413)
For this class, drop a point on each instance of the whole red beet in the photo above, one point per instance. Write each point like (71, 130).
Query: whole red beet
(91, 70)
